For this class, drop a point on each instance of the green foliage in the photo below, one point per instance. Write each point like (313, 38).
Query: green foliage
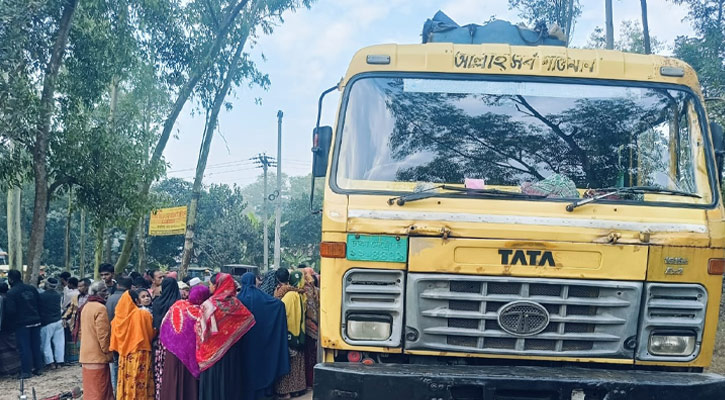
(123, 64)
(549, 11)
(706, 51)
(630, 38)
(228, 232)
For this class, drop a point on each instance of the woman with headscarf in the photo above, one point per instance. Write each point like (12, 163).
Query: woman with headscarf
(292, 294)
(266, 358)
(269, 282)
(178, 335)
(169, 295)
(224, 320)
(281, 276)
(131, 334)
(312, 294)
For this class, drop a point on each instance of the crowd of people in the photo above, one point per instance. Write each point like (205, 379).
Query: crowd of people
(155, 337)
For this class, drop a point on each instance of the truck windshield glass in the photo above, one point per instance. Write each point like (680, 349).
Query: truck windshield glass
(553, 139)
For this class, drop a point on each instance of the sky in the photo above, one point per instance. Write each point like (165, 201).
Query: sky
(310, 52)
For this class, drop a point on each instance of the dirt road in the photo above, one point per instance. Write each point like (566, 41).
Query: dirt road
(49, 384)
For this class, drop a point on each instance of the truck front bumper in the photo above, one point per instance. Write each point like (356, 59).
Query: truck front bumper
(344, 381)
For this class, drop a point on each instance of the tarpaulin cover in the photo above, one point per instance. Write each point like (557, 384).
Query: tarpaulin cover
(442, 28)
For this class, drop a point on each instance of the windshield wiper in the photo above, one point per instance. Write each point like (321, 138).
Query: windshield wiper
(428, 193)
(631, 189)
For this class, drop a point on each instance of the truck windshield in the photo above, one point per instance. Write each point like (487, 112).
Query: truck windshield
(557, 139)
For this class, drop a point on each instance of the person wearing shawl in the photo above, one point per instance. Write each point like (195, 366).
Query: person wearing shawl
(266, 358)
(178, 335)
(169, 295)
(131, 334)
(312, 294)
(292, 294)
(269, 283)
(224, 320)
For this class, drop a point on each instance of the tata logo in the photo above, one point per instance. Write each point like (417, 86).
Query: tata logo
(527, 257)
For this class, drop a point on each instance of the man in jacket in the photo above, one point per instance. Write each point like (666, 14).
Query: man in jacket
(95, 338)
(23, 304)
(52, 336)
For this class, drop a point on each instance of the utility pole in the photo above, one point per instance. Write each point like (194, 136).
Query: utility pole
(263, 161)
(278, 197)
(609, 24)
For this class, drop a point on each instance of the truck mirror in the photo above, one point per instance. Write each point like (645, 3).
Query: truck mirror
(718, 142)
(321, 141)
(718, 139)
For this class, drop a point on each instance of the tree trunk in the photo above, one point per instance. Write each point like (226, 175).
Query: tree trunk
(98, 251)
(42, 138)
(15, 238)
(125, 254)
(609, 22)
(141, 237)
(68, 220)
(569, 20)
(107, 246)
(184, 93)
(645, 28)
(82, 261)
(211, 123)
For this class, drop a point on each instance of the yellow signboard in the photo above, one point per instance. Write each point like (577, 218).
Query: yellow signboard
(168, 221)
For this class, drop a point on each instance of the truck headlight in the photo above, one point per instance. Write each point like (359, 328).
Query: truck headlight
(671, 344)
(369, 327)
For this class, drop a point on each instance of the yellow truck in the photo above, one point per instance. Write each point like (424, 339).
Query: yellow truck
(519, 222)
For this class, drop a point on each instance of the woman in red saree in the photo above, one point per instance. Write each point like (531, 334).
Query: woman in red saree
(224, 320)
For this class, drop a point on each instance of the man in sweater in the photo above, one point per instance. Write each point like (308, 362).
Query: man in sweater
(95, 345)
(52, 336)
(23, 304)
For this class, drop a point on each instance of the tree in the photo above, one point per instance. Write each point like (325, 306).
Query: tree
(631, 39)
(212, 27)
(562, 12)
(240, 67)
(42, 138)
(102, 49)
(705, 52)
(645, 27)
(301, 229)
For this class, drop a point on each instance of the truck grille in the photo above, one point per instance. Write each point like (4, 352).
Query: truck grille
(461, 313)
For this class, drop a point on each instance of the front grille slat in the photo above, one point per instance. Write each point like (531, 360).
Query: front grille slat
(441, 295)
(461, 313)
(448, 313)
(548, 336)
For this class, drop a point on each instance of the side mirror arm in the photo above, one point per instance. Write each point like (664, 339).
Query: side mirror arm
(316, 149)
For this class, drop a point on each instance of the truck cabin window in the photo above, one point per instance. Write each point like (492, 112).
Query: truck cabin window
(404, 134)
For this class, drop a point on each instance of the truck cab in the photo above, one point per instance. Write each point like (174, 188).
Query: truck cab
(519, 222)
